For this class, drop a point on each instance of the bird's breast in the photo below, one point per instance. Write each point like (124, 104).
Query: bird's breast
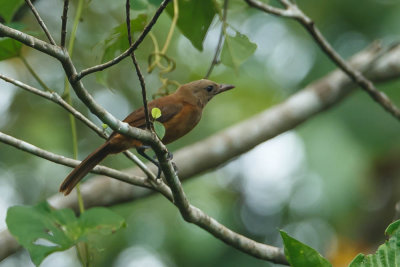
(182, 123)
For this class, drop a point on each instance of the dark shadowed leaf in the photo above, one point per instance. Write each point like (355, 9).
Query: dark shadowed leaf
(195, 17)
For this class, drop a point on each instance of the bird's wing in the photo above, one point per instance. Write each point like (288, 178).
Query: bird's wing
(168, 109)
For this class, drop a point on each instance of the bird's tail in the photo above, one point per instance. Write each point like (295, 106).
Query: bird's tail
(83, 168)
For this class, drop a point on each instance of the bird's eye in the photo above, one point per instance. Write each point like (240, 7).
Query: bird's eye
(209, 88)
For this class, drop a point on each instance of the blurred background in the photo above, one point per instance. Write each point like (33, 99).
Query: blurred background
(331, 182)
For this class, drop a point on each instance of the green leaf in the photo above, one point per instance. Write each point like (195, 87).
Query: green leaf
(236, 50)
(117, 41)
(43, 230)
(9, 8)
(159, 129)
(100, 220)
(392, 228)
(195, 17)
(388, 254)
(156, 113)
(9, 48)
(301, 255)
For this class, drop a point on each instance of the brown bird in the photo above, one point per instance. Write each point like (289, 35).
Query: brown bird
(180, 113)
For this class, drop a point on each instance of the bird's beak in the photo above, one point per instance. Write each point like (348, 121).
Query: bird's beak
(224, 87)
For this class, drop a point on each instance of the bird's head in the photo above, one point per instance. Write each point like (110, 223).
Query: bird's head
(203, 90)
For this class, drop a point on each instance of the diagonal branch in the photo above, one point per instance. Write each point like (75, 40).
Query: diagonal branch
(292, 11)
(40, 21)
(133, 47)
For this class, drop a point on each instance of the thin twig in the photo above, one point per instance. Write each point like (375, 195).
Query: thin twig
(133, 47)
(40, 21)
(294, 12)
(135, 63)
(220, 41)
(64, 19)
